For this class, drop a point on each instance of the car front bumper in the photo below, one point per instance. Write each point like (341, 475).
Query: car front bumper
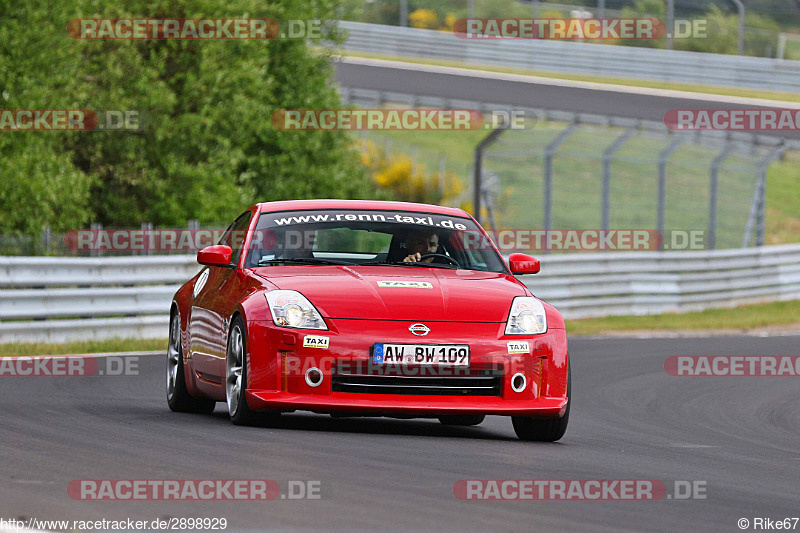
(279, 361)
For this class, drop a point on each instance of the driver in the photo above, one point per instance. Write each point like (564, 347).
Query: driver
(420, 243)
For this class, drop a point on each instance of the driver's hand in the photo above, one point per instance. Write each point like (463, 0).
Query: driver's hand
(412, 258)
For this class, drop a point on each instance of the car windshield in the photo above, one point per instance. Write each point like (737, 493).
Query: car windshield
(371, 238)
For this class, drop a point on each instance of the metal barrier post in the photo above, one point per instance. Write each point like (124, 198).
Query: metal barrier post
(663, 157)
(670, 22)
(404, 13)
(740, 7)
(607, 156)
(712, 195)
(549, 154)
(96, 229)
(758, 205)
(485, 143)
(761, 226)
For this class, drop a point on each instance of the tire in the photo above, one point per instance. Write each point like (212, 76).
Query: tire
(236, 380)
(529, 428)
(178, 397)
(461, 420)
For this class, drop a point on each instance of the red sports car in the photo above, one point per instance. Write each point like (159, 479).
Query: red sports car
(362, 308)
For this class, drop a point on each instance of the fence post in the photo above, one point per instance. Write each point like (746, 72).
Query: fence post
(549, 154)
(670, 22)
(761, 227)
(404, 13)
(758, 204)
(147, 230)
(96, 229)
(478, 169)
(712, 195)
(46, 238)
(781, 51)
(601, 13)
(663, 157)
(608, 153)
(740, 7)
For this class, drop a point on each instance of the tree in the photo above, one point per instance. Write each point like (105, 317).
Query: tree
(208, 148)
(39, 185)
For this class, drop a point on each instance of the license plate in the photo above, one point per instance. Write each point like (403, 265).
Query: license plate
(422, 354)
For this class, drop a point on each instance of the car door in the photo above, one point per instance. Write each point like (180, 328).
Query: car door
(213, 305)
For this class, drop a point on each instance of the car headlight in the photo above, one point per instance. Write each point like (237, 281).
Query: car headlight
(290, 309)
(527, 317)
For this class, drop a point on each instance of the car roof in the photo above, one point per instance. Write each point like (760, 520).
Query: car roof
(291, 205)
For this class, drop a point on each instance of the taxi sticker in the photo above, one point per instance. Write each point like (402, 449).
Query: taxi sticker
(316, 341)
(519, 347)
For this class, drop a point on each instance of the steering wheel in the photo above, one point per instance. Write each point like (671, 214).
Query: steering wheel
(447, 257)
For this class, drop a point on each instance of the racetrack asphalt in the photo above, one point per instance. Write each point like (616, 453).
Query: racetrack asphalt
(629, 420)
(521, 91)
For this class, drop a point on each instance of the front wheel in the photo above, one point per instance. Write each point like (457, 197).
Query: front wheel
(544, 429)
(178, 397)
(236, 379)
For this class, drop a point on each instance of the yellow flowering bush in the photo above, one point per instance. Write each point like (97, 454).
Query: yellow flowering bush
(424, 18)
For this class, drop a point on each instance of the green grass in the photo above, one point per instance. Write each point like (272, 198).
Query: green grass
(81, 347)
(792, 49)
(743, 317)
(783, 200)
(695, 88)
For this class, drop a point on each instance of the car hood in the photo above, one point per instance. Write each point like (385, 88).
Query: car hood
(400, 293)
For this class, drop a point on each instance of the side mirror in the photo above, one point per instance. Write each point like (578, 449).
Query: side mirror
(218, 255)
(523, 264)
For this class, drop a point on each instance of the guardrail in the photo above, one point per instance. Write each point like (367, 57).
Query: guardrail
(578, 58)
(640, 283)
(55, 300)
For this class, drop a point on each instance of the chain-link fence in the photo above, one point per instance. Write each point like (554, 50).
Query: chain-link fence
(569, 175)
(623, 178)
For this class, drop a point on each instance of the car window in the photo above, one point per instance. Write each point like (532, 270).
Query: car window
(235, 235)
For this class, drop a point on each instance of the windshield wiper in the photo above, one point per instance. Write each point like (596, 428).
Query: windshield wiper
(305, 261)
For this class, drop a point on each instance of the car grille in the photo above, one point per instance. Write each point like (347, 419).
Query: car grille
(470, 383)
